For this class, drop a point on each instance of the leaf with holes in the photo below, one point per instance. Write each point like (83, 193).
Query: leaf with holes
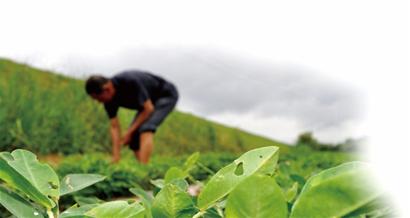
(75, 182)
(77, 211)
(42, 176)
(262, 160)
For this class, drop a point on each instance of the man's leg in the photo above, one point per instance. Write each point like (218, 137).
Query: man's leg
(146, 132)
(146, 146)
(137, 154)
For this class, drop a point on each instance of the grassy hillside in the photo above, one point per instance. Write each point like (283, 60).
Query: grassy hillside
(50, 113)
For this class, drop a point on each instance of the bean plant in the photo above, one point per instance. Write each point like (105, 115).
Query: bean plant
(244, 188)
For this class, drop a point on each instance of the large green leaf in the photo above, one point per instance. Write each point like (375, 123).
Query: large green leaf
(117, 209)
(172, 202)
(42, 176)
(258, 196)
(75, 182)
(335, 192)
(17, 205)
(16, 180)
(262, 160)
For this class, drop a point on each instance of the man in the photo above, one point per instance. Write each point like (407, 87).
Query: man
(152, 96)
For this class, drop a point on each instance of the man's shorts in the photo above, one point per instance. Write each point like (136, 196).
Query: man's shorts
(163, 106)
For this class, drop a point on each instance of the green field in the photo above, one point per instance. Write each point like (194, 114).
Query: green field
(51, 116)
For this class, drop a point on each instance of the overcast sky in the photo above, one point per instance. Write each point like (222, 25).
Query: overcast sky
(276, 100)
(338, 68)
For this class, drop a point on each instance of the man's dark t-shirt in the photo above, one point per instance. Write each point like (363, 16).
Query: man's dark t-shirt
(133, 88)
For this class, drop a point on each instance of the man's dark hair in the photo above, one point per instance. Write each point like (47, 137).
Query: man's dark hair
(94, 84)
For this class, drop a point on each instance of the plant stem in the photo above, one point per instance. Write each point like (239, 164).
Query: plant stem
(56, 209)
(50, 213)
(205, 168)
(199, 214)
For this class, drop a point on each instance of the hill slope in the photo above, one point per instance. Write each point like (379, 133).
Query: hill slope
(50, 113)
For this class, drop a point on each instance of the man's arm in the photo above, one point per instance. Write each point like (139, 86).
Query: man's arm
(148, 109)
(115, 131)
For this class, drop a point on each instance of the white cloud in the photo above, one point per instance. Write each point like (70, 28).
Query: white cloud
(278, 128)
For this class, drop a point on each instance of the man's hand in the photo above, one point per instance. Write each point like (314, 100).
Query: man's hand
(148, 109)
(126, 139)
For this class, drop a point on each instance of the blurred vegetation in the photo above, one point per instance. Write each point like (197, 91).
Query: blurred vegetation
(351, 145)
(49, 113)
(303, 162)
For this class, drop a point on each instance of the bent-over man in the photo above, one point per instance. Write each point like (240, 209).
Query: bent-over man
(152, 96)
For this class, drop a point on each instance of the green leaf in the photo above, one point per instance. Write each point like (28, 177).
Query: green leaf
(117, 209)
(262, 160)
(159, 183)
(180, 183)
(18, 181)
(83, 200)
(17, 205)
(142, 194)
(172, 202)
(258, 196)
(174, 173)
(77, 212)
(145, 198)
(190, 162)
(75, 182)
(292, 192)
(335, 192)
(42, 176)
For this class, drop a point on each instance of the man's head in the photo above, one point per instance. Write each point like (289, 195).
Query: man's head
(100, 88)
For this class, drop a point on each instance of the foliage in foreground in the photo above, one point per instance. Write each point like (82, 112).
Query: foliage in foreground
(129, 172)
(244, 188)
(293, 167)
(32, 189)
